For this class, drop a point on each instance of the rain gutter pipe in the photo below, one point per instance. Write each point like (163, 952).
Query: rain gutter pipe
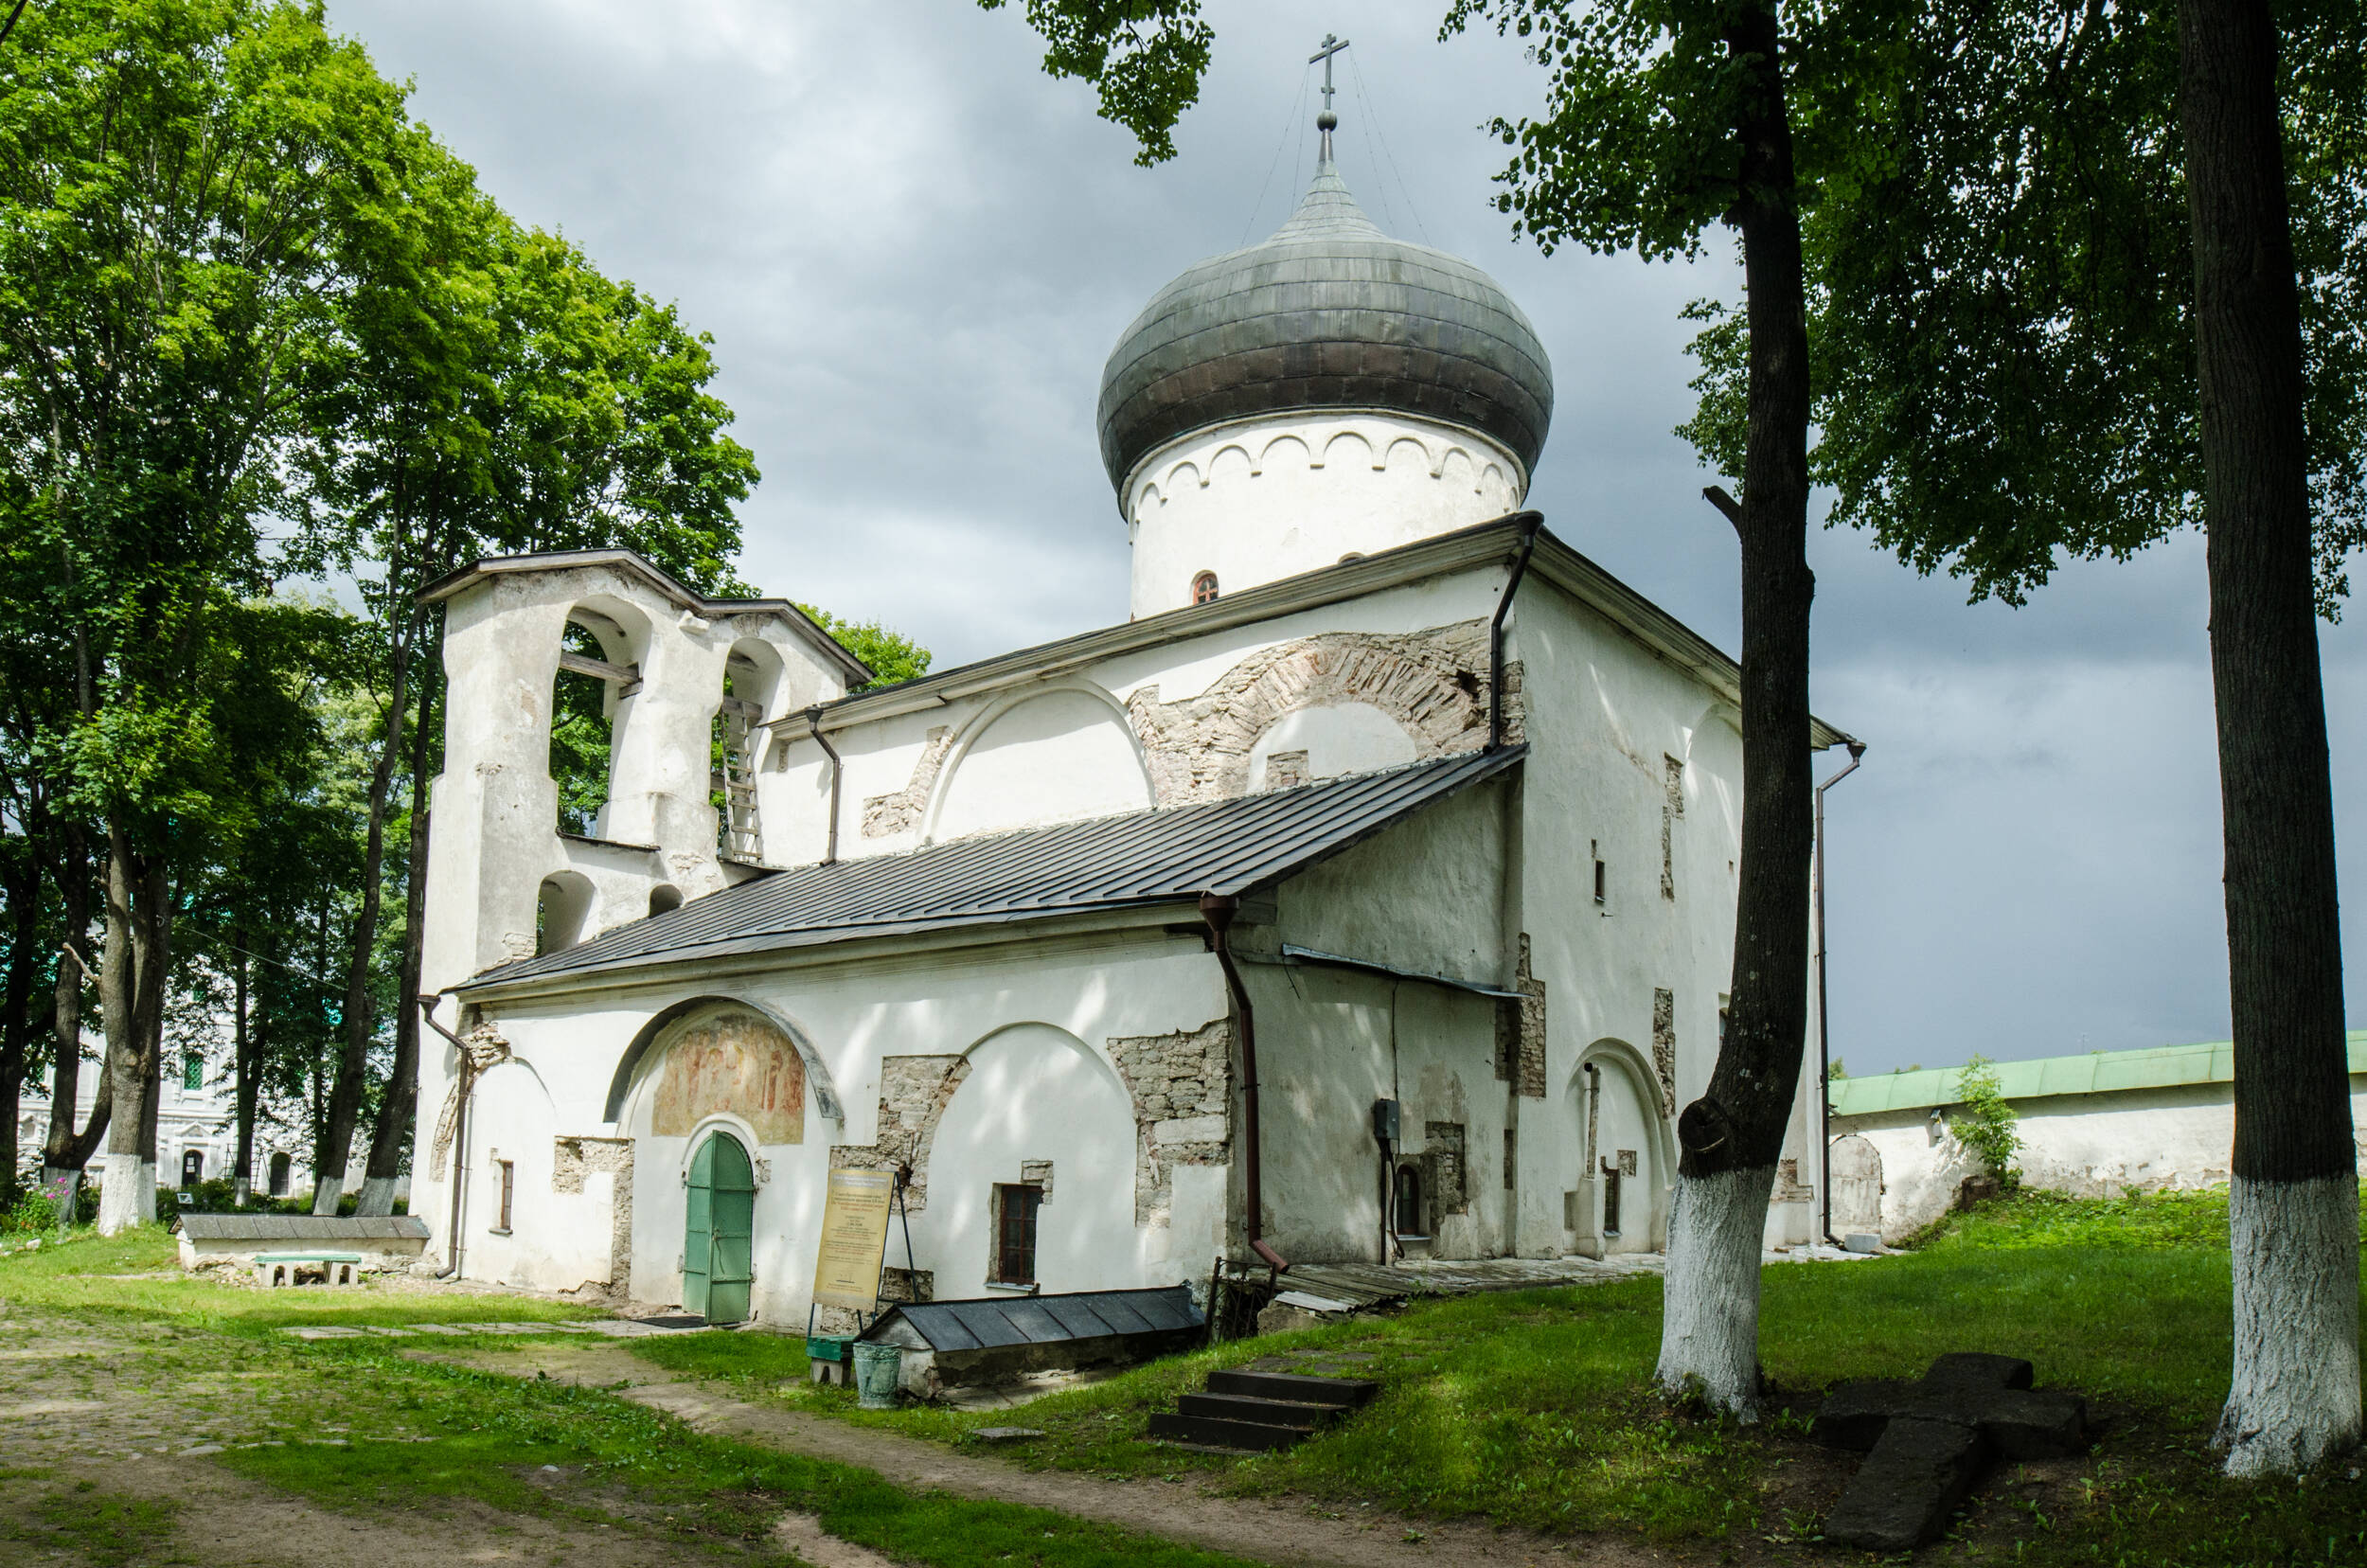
(1824, 1041)
(1530, 522)
(1217, 910)
(813, 718)
(459, 1127)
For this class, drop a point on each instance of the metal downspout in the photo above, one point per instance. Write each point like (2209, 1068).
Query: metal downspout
(1530, 522)
(1218, 910)
(1824, 1041)
(459, 1131)
(838, 769)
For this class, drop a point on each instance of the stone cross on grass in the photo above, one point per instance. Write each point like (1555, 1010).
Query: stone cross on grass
(1927, 1441)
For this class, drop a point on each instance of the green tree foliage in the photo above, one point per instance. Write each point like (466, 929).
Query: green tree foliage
(2003, 293)
(1145, 57)
(1984, 1122)
(893, 657)
(245, 301)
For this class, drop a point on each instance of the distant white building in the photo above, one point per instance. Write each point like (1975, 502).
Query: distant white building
(197, 1132)
(2092, 1126)
(1369, 891)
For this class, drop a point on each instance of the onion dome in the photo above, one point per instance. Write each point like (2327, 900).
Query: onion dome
(1329, 313)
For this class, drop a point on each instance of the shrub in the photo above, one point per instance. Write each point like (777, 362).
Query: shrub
(1984, 1123)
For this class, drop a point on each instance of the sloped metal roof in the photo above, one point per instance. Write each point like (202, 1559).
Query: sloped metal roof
(2041, 1078)
(303, 1227)
(993, 1322)
(1224, 846)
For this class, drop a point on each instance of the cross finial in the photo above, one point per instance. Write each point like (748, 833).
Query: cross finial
(1332, 44)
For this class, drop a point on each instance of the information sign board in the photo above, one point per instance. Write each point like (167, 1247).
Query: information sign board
(854, 1238)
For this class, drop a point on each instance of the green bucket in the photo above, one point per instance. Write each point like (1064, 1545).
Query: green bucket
(875, 1370)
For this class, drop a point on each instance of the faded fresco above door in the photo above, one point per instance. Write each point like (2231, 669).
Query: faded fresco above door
(736, 1062)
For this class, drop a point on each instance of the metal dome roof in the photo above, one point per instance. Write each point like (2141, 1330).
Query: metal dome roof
(1329, 313)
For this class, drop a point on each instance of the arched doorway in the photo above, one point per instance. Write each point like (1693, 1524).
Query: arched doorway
(719, 1230)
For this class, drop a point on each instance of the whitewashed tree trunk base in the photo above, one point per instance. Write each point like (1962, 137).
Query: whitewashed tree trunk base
(1710, 1324)
(328, 1192)
(119, 1195)
(241, 1190)
(2294, 1398)
(378, 1195)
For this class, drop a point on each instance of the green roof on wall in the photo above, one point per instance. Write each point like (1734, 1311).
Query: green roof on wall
(2096, 1073)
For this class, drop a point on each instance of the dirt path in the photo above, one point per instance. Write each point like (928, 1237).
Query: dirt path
(1292, 1533)
(88, 1427)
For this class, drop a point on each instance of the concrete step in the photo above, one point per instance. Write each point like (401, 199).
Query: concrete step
(1338, 1393)
(1241, 1407)
(1217, 1431)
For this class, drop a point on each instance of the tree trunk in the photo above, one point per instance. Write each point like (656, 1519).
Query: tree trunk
(2293, 1197)
(130, 990)
(16, 1005)
(244, 1065)
(67, 1151)
(1732, 1136)
(395, 1111)
(353, 1062)
(118, 984)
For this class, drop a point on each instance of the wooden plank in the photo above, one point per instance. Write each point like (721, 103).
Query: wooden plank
(599, 669)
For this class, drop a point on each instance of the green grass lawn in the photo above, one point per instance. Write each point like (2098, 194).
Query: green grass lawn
(1532, 1409)
(356, 1424)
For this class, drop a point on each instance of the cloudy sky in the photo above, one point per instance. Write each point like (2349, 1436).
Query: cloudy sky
(914, 250)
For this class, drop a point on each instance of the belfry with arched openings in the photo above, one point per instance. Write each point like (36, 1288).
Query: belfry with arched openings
(1362, 890)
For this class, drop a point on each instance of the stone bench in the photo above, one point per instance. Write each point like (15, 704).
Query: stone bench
(289, 1267)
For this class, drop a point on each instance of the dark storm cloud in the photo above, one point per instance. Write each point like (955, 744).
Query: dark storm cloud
(914, 250)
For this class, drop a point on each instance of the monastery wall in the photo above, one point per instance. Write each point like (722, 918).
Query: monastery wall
(2094, 1145)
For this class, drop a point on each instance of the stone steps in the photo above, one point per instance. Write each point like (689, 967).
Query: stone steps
(1260, 1412)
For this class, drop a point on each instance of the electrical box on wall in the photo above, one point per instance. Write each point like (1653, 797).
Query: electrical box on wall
(1385, 1120)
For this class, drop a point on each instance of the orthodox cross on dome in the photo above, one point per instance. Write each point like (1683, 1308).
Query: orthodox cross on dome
(1332, 44)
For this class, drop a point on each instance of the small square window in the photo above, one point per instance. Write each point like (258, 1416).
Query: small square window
(1015, 1208)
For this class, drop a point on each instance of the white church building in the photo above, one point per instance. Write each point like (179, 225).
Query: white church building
(1383, 812)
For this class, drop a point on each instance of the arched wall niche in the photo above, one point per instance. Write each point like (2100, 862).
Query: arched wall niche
(1036, 1106)
(1058, 751)
(564, 907)
(1325, 741)
(660, 1033)
(1629, 1106)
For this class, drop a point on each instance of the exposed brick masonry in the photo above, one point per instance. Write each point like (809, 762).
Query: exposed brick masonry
(1182, 1085)
(1434, 683)
(913, 1093)
(1521, 1031)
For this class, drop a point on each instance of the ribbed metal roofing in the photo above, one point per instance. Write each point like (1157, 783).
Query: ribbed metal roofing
(1225, 846)
(2096, 1073)
(1328, 312)
(991, 1323)
(303, 1227)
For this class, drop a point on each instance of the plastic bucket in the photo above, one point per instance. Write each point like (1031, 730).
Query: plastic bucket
(875, 1370)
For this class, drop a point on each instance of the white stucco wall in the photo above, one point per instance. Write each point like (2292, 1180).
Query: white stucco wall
(1604, 718)
(1009, 1001)
(1261, 499)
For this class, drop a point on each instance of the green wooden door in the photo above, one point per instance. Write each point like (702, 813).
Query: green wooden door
(720, 1223)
